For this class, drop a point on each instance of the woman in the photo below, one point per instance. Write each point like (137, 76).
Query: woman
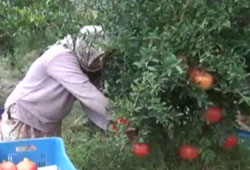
(45, 96)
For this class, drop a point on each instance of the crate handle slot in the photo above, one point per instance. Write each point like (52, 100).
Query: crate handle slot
(25, 148)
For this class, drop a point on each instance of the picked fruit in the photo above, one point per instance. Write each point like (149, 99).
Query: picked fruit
(189, 152)
(213, 114)
(26, 164)
(8, 165)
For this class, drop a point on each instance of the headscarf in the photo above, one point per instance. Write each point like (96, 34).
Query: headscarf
(86, 46)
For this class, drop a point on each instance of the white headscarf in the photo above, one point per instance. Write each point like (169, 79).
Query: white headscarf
(86, 46)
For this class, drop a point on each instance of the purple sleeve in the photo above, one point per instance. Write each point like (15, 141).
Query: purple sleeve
(66, 70)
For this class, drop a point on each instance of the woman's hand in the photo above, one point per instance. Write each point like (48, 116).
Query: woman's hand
(110, 127)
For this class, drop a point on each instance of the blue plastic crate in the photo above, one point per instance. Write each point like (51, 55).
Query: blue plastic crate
(244, 133)
(43, 151)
